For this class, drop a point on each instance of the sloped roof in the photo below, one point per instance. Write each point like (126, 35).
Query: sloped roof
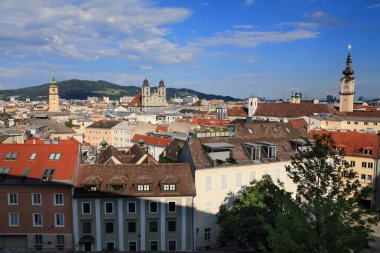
(152, 140)
(353, 142)
(104, 124)
(162, 128)
(64, 167)
(290, 110)
(133, 174)
(298, 123)
(136, 100)
(273, 132)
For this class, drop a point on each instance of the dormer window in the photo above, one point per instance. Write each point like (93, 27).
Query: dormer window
(117, 188)
(33, 156)
(269, 149)
(143, 187)
(55, 156)
(4, 172)
(11, 156)
(169, 187)
(368, 150)
(47, 175)
(90, 188)
(253, 151)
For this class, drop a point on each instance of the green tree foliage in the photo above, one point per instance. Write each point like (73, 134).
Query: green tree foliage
(324, 215)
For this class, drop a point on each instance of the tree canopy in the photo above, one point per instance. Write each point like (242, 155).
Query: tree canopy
(324, 215)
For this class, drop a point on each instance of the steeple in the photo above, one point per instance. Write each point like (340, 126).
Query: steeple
(348, 72)
(53, 81)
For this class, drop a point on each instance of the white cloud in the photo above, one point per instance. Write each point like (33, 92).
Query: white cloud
(243, 26)
(89, 29)
(249, 2)
(253, 39)
(373, 6)
(299, 25)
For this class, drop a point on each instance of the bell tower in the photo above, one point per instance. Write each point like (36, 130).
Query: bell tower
(347, 86)
(53, 95)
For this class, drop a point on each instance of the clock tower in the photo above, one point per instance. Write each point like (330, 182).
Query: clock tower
(53, 95)
(347, 86)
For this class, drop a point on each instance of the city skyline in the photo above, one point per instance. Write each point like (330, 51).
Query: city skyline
(235, 48)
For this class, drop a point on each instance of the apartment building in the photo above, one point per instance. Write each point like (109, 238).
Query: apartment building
(36, 183)
(134, 208)
(222, 166)
(100, 131)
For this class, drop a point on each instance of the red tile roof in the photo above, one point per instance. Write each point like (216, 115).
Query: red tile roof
(131, 174)
(237, 112)
(136, 100)
(298, 123)
(161, 128)
(152, 140)
(353, 142)
(205, 121)
(64, 167)
(289, 110)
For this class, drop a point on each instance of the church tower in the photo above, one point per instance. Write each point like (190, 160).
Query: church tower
(162, 91)
(145, 92)
(53, 96)
(347, 86)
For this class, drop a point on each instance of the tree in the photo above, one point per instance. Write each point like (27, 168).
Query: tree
(323, 215)
(328, 193)
(254, 207)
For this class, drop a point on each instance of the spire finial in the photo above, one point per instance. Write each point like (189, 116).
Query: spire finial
(348, 72)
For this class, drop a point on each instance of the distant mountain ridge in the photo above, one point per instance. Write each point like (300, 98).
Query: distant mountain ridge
(81, 89)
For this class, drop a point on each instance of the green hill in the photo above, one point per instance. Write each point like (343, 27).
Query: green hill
(81, 89)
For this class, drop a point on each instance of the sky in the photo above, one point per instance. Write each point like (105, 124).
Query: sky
(229, 47)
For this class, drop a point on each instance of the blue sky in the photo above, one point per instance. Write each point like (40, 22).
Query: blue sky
(228, 47)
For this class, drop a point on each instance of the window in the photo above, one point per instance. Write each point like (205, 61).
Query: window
(108, 207)
(348, 122)
(154, 245)
(369, 178)
(172, 245)
(172, 225)
(143, 187)
(153, 207)
(36, 199)
(238, 179)
(375, 123)
(37, 239)
(207, 209)
(110, 246)
(4, 171)
(37, 220)
(131, 226)
(277, 174)
(12, 199)
(208, 183)
(363, 176)
(58, 199)
(153, 226)
(11, 156)
(207, 234)
(365, 123)
(33, 156)
(59, 220)
(171, 207)
(352, 164)
(47, 175)
(60, 240)
(223, 181)
(131, 207)
(132, 246)
(13, 219)
(169, 187)
(87, 227)
(109, 227)
(252, 176)
(364, 164)
(86, 208)
(370, 165)
(272, 152)
(355, 122)
(55, 156)
(367, 151)
(117, 187)
(91, 188)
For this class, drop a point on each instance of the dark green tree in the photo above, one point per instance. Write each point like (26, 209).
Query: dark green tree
(328, 194)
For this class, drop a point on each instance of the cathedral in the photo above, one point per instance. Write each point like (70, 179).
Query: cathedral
(151, 98)
(53, 95)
